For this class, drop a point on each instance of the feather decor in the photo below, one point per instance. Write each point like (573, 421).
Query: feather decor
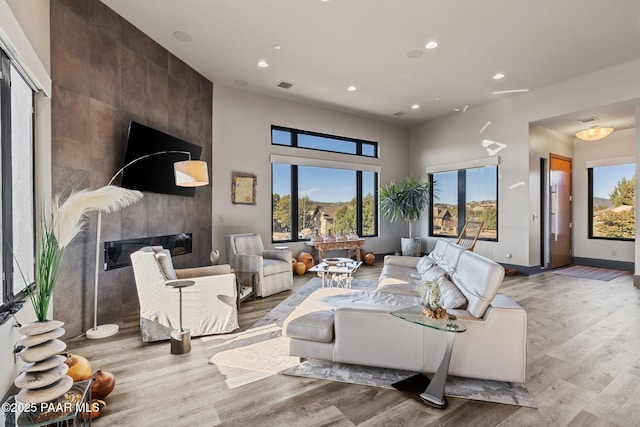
(66, 221)
(68, 217)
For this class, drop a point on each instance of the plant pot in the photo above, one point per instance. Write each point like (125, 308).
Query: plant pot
(411, 246)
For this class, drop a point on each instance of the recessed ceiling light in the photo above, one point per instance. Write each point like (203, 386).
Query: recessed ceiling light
(498, 76)
(432, 44)
(414, 54)
(415, 106)
(263, 64)
(242, 82)
(437, 99)
(277, 47)
(182, 36)
(352, 88)
(456, 109)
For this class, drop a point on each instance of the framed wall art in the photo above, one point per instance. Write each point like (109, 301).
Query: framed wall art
(243, 188)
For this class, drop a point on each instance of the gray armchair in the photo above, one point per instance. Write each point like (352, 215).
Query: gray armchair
(246, 253)
(209, 307)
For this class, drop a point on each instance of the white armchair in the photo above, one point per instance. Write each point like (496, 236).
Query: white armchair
(209, 307)
(246, 253)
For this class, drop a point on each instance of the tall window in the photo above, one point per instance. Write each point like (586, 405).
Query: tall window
(464, 195)
(16, 167)
(612, 201)
(306, 199)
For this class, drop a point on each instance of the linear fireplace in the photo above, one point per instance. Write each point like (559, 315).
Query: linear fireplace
(117, 253)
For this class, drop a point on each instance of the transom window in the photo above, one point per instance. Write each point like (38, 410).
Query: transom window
(317, 141)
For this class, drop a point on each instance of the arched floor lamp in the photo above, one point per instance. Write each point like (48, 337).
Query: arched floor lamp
(188, 173)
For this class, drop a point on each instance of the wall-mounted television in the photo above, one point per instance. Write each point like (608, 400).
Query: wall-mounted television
(155, 173)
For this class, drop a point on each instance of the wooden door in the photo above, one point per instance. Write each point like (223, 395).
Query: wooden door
(560, 210)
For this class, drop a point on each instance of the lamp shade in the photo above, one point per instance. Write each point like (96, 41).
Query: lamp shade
(191, 173)
(593, 134)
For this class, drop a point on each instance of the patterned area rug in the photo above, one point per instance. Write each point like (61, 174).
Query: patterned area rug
(261, 351)
(594, 273)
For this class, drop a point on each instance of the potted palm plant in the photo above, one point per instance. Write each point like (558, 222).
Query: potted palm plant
(405, 200)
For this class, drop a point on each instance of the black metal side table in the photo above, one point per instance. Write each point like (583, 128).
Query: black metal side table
(180, 339)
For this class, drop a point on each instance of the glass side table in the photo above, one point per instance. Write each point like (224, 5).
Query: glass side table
(180, 339)
(71, 409)
(430, 392)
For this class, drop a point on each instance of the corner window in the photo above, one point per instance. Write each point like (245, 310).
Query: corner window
(464, 195)
(612, 201)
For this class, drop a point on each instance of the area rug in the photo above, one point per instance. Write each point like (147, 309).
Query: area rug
(594, 273)
(261, 351)
(466, 388)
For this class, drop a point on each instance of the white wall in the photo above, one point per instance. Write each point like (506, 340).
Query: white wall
(620, 143)
(24, 28)
(242, 143)
(457, 137)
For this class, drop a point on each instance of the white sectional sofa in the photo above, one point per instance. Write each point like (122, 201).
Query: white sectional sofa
(351, 326)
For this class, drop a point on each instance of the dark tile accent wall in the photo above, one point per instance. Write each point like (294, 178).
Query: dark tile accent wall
(105, 73)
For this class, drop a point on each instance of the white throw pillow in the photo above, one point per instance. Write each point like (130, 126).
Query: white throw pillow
(433, 274)
(450, 295)
(424, 264)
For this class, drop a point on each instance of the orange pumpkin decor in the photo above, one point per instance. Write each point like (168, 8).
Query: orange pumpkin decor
(79, 367)
(369, 258)
(293, 264)
(307, 259)
(102, 383)
(97, 405)
(301, 268)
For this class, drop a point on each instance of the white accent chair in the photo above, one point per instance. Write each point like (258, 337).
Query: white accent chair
(208, 307)
(246, 253)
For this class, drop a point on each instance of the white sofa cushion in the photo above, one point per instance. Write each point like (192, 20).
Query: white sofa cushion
(450, 295)
(312, 326)
(434, 274)
(479, 279)
(425, 264)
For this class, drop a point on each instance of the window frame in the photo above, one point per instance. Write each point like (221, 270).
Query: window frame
(11, 301)
(462, 201)
(590, 209)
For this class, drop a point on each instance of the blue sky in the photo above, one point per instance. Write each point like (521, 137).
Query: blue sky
(605, 178)
(481, 185)
(320, 184)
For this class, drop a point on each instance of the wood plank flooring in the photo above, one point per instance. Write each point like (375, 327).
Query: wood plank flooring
(583, 369)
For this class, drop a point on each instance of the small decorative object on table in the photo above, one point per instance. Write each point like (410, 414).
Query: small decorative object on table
(431, 295)
(316, 237)
(341, 237)
(329, 237)
(353, 235)
(215, 257)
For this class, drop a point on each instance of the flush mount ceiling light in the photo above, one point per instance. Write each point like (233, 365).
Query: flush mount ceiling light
(263, 64)
(498, 76)
(415, 106)
(277, 47)
(594, 133)
(431, 45)
(352, 88)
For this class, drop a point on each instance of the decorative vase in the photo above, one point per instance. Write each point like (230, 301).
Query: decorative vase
(79, 367)
(44, 376)
(316, 237)
(102, 384)
(329, 237)
(369, 258)
(341, 237)
(215, 257)
(352, 235)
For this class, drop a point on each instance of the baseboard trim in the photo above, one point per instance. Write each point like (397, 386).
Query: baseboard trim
(604, 263)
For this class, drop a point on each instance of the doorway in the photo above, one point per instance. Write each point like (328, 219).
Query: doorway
(560, 210)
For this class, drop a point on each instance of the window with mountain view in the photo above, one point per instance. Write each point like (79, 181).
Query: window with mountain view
(306, 199)
(464, 195)
(612, 200)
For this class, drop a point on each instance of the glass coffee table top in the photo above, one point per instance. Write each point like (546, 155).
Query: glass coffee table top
(413, 314)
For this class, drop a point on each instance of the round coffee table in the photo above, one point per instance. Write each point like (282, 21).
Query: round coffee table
(180, 339)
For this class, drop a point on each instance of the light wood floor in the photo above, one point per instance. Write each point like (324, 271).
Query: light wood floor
(583, 369)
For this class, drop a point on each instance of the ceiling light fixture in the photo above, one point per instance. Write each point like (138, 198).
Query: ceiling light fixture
(277, 47)
(594, 133)
(352, 88)
(263, 64)
(498, 76)
(431, 45)
(415, 106)
(502, 92)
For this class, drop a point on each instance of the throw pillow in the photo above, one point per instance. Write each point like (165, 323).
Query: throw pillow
(424, 264)
(450, 295)
(433, 274)
(164, 259)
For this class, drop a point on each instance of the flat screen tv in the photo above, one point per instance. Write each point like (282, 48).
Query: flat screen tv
(155, 173)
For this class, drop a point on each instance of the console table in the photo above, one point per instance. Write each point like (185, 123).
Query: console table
(430, 392)
(320, 247)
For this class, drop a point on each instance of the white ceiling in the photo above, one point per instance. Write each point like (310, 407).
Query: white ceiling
(328, 45)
